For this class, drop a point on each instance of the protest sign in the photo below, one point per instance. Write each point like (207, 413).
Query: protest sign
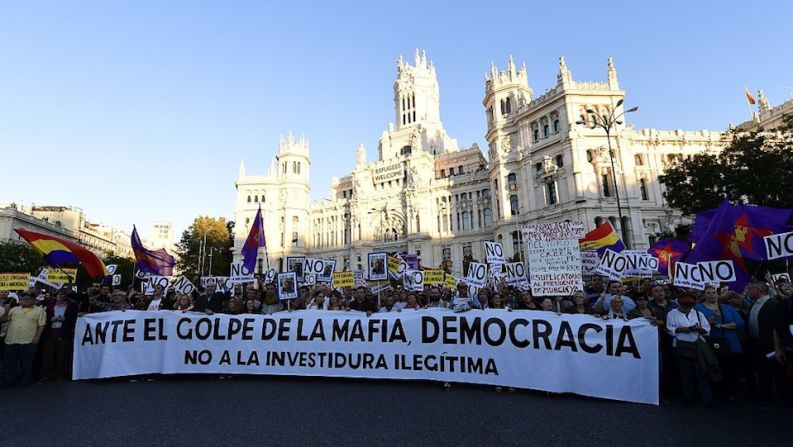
(515, 272)
(396, 266)
(640, 264)
(717, 271)
(327, 271)
(449, 281)
(554, 258)
(116, 280)
(14, 281)
(309, 279)
(477, 274)
(269, 276)
(222, 283)
(413, 280)
(111, 269)
(778, 245)
(377, 266)
(287, 285)
(183, 285)
(612, 264)
(494, 253)
(565, 353)
(140, 274)
(343, 279)
(589, 262)
(780, 277)
(147, 286)
(61, 276)
(688, 275)
(240, 274)
(433, 277)
(382, 287)
(295, 264)
(554, 231)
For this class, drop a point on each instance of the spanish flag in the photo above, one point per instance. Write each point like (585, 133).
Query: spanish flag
(57, 251)
(602, 238)
(749, 96)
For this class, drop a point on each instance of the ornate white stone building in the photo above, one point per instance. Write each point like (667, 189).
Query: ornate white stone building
(426, 195)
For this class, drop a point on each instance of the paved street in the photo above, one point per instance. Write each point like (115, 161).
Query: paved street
(200, 411)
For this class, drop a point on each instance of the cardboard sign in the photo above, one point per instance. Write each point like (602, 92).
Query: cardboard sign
(61, 276)
(688, 275)
(147, 287)
(14, 281)
(269, 276)
(111, 269)
(222, 283)
(717, 271)
(309, 279)
(494, 253)
(240, 274)
(640, 264)
(327, 271)
(612, 264)
(295, 264)
(343, 279)
(778, 245)
(183, 285)
(515, 273)
(396, 266)
(433, 277)
(377, 266)
(449, 281)
(116, 280)
(287, 285)
(413, 280)
(140, 274)
(554, 231)
(477, 274)
(589, 262)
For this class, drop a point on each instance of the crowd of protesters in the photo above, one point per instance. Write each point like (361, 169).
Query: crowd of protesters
(714, 344)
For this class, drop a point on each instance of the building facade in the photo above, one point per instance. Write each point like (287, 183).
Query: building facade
(427, 195)
(66, 222)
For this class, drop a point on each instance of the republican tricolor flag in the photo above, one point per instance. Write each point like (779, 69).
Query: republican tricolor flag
(602, 238)
(254, 242)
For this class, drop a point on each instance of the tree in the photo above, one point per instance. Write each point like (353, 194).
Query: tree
(754, 168)
(19, 257)
(219, 241)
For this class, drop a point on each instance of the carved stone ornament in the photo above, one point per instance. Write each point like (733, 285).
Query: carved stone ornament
(506, 144)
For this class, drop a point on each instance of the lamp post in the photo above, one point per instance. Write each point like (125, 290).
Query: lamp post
(607, 122)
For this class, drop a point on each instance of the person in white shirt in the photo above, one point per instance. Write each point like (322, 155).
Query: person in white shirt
(686, 325)
(461, 301)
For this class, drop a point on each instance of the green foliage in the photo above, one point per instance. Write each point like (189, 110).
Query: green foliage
(219, 241)
(753, 167)
(19, 257)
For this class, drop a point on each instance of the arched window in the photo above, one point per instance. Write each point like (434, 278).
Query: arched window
(512, 177)
(256, 199)
(460, 169)
(509, 106)
(262, 198)
(552, 194)
(638, 160)
(513, 204)
(406, 150)
(451, 171)
(536, 135)
(249, 199)
(545, 131)
(556, 126)
(443, 173)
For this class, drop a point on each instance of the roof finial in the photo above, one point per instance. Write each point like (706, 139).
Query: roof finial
(612, 73)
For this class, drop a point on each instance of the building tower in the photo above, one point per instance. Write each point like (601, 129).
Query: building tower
(294, 194)
(506, 92)
(416, 93)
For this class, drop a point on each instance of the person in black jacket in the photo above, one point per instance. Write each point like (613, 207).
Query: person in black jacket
(211, 301)
(57, 338)
(761, 337)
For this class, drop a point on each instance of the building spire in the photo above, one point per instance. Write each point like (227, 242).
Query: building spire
(762, 102)
(511, 68)
(242, 169)
(612, 73)
(564, 78)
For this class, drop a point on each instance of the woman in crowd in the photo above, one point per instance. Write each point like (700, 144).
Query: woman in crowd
(483, 299)
(318, 301)
(234, 306)
(580, 305)
(56, 341)
(526, 301)
(335, 301)
(412, 303)
(643, 310)
(184, 302)
(547, 304)
(496, 302)
(251, 306)
(616, 311)
(725, 324)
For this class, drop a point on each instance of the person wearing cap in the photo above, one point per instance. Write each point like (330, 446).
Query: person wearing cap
(26, 324)
(686, 325)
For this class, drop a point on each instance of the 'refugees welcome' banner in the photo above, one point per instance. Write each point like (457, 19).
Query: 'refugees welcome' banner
(537, 350)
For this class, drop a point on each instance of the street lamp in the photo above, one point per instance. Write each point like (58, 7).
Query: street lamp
(607, 122)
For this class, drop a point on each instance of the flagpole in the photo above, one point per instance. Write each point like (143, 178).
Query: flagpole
(749, 104)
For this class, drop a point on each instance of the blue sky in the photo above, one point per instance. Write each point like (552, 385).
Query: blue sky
(141, 111)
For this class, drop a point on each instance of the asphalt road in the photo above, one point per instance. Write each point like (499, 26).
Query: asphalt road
(199, 411)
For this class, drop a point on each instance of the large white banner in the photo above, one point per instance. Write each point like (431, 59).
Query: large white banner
(523, 349)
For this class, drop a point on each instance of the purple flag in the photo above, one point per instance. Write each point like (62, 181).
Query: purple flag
(153, 262)
(668, 251)
(254, 242)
